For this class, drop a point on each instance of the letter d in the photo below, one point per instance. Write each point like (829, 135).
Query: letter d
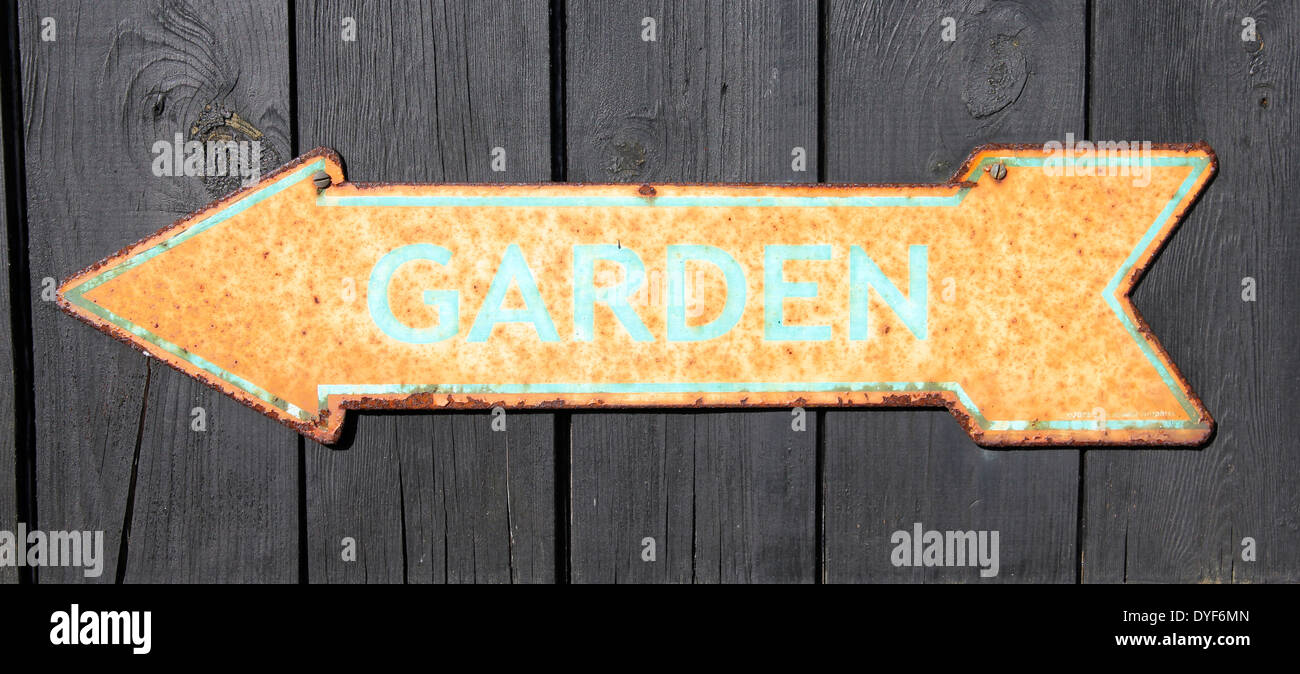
(678, 330)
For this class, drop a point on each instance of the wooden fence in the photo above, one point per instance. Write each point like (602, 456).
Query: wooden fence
(98, 437)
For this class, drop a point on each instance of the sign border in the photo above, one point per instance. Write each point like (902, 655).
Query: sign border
(321, 426)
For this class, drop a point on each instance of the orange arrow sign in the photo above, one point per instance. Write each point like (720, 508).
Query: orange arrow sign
(1002, 295)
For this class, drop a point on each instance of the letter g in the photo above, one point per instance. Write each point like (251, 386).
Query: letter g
(447, 302)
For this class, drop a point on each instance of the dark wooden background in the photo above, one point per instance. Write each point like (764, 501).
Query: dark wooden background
(95, 436)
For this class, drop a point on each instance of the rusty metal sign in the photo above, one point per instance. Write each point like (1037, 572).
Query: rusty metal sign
(1002, 295)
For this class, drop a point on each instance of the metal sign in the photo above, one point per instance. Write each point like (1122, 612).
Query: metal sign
(1002, 295)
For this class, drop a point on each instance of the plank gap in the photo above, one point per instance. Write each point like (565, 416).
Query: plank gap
(294, 148)
(822, 10)
(128, 511)
(559, 153)
(562, 477)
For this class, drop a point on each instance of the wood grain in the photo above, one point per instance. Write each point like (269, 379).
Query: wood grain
(8, 390)
(1169, 71)
(216, 505)
(724, 93)
(904, 105)
(424, 93)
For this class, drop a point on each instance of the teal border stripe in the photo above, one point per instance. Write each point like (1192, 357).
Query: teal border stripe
(609, 201)
(77, 295)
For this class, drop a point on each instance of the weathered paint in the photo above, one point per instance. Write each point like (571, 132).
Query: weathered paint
(1027, 334)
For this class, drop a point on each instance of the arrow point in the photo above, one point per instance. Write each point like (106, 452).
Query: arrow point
(128, 310)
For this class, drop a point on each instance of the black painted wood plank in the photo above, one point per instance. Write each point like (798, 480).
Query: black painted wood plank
(8, 391)
(904, 105)
(724, 93)
(214, 505)
(424, 93)
(1173, 72)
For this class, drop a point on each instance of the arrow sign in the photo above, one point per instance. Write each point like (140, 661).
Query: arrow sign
(1002, 295)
